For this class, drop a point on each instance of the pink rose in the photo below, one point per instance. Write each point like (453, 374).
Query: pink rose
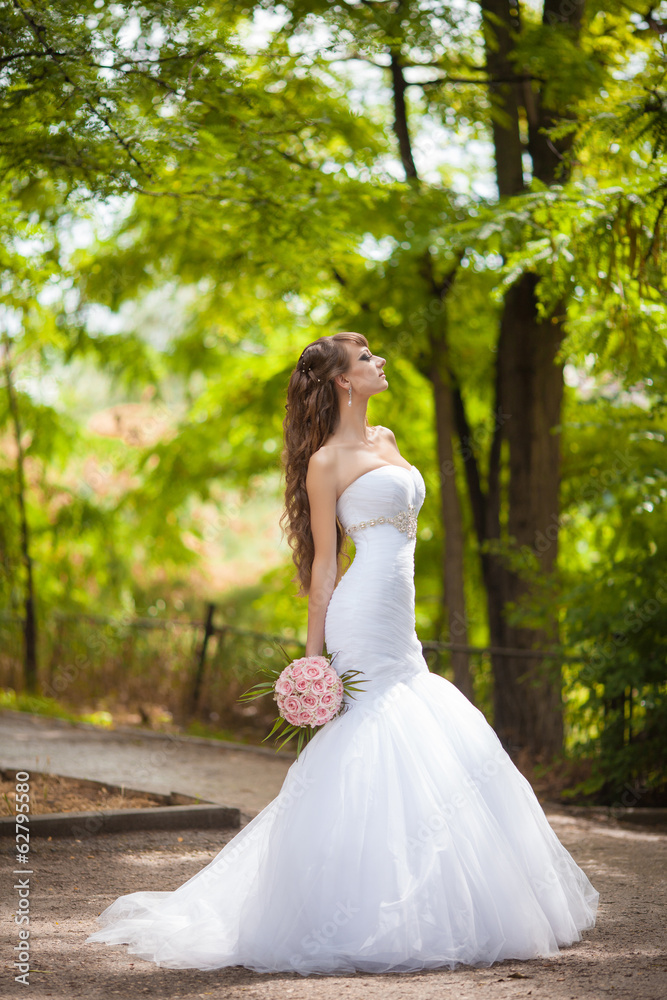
(302, 684)
(284, 685)
(319, 686)
(330, 676)
(328, 699)
(292, 705)
(314, 671)
(305, 718)
(296, 667)
(322, 716)
(310, 701)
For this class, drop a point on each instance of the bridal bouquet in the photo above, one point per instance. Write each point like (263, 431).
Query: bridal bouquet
(309, 694)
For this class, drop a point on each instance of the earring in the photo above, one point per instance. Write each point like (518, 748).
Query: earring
(349, 401)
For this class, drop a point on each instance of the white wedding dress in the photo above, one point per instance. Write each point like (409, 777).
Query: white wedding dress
(403, 838)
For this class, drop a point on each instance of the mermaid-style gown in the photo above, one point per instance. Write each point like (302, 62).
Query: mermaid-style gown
(403, 838)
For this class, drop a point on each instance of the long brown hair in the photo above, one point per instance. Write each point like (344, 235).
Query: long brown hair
(312, 416)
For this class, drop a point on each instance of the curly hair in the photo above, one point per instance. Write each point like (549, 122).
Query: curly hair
(312, 416)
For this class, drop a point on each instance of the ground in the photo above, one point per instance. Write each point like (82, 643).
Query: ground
(53, 794)
(73, 880)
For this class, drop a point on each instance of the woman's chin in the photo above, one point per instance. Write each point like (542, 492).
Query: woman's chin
(381, 387)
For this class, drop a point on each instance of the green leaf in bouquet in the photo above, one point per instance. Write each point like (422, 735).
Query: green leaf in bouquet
(350, 685)
(276, 725)
(349, 674)
(264, 687)
(287, 658)
(290, 735)
(256, 691)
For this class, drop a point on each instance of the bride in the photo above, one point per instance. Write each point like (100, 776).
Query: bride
(403, 837)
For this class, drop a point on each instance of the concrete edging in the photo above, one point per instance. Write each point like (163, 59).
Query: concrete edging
(634, 815)
(160, 798)
(174, 811)
(88, 824)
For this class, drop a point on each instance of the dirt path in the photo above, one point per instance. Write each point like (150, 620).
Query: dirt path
(246, 778)
(73, 880)
(624, 957)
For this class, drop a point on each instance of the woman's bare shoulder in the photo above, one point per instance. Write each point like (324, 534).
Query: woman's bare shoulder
(385, 432)
(323, 459)
(322, 465)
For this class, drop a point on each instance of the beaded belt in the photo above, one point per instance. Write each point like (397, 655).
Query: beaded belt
(405, 520)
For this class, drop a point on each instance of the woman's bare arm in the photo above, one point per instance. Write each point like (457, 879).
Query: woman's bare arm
(321, 489)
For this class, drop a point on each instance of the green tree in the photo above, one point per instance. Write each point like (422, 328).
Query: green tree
(275, 198)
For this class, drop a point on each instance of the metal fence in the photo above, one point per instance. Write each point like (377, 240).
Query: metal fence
(193, 667)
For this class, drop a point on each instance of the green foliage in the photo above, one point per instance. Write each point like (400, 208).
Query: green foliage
(183, 207)
(615, 590)
(612, 592)
(18, 701)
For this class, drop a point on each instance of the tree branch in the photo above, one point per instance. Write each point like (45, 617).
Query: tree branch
(39, 32)
(401, 117)
(483, 83)
(475, 491)
(30, 54)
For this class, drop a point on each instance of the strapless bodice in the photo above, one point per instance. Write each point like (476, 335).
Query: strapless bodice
(388, 496)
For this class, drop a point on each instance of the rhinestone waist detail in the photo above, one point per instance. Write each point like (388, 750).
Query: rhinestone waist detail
(405, 520)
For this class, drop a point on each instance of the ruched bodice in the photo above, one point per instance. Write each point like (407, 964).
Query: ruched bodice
(396, 492)
(371, 614)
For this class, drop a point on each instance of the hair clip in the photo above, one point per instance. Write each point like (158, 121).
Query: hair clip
(305, 371)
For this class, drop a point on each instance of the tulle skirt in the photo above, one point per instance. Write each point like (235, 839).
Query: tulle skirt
(403, 838)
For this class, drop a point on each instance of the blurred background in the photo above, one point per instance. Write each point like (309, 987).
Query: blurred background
(190, 195)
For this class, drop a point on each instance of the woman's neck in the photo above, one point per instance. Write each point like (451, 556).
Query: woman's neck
(353, 426)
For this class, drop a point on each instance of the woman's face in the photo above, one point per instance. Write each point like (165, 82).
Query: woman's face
(365, 372)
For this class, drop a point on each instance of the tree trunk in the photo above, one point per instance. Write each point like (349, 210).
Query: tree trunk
(527, 701)
(435, 368)
(453, 547)
(401, 130)
(529, 387)
(498, 28)
(30, 624)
